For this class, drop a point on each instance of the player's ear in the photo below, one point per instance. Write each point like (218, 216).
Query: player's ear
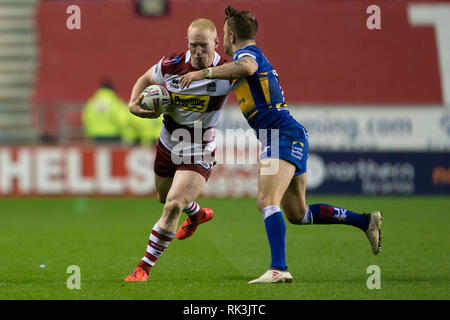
(216, 41)
(232, 37)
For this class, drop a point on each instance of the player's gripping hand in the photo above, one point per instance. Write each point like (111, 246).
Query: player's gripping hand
(188, 78)
(137, 110)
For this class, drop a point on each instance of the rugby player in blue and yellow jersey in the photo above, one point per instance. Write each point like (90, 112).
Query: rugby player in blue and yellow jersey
(282, 165)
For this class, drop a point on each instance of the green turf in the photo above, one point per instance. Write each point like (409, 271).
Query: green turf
(107, 237)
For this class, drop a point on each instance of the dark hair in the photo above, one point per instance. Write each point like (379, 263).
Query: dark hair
(242, 23)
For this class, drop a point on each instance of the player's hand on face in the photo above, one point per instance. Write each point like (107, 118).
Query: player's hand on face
(137, 110)
(188, 78)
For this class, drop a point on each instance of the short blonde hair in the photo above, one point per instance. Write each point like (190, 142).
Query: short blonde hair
(203, 24)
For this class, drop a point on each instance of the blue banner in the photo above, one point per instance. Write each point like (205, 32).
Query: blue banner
(384, 173)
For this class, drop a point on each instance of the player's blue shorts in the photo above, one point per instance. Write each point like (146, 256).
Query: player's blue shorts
(290, 144)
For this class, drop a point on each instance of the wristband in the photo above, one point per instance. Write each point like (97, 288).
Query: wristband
(207, 73)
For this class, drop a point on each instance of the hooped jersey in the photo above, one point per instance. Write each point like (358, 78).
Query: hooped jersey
(198, 106)
(260, 95)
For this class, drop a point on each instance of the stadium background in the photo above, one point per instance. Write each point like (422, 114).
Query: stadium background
(381, 96)
(375, 101)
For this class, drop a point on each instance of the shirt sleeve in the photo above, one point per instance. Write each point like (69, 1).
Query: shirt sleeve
(157, 73)
(244, 53)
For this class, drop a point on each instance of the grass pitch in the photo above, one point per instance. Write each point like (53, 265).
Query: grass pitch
(106, 238)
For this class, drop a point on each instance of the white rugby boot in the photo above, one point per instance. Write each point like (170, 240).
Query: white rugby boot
(373, 231)
(272, 276)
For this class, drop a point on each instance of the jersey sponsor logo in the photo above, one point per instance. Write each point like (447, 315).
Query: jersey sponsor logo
(244, 96)
(191, 102)
(211, 87)
(172, 61)
(174, 84)
(297, 150)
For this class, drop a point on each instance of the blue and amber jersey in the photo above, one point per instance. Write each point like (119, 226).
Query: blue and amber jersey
(260, 95)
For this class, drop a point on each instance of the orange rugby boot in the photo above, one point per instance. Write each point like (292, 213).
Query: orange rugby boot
(138, 274)
(188, 227)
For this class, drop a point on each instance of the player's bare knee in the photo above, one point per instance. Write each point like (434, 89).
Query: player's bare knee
(172, 209)
(302, 211)
(264, 202)
(296, 217)
(294, 214)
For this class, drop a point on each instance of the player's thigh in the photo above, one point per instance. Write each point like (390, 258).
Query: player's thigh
(186, 186)
(274, 176)
(294, 199)
(163, 185)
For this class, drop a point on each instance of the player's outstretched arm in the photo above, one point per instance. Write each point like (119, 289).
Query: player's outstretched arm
(135, 100)
(241, 68)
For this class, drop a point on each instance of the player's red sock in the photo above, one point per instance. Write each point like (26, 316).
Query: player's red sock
(191, 210)
(158, 242)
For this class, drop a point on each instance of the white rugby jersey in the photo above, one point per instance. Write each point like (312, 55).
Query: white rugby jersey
(195, 108)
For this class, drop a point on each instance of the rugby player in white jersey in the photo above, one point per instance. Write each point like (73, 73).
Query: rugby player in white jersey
(182, 167)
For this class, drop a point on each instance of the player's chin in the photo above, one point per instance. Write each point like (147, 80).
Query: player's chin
(201, 66)
(201, 63)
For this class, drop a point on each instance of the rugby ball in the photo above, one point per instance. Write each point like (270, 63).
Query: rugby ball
(155, 98)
